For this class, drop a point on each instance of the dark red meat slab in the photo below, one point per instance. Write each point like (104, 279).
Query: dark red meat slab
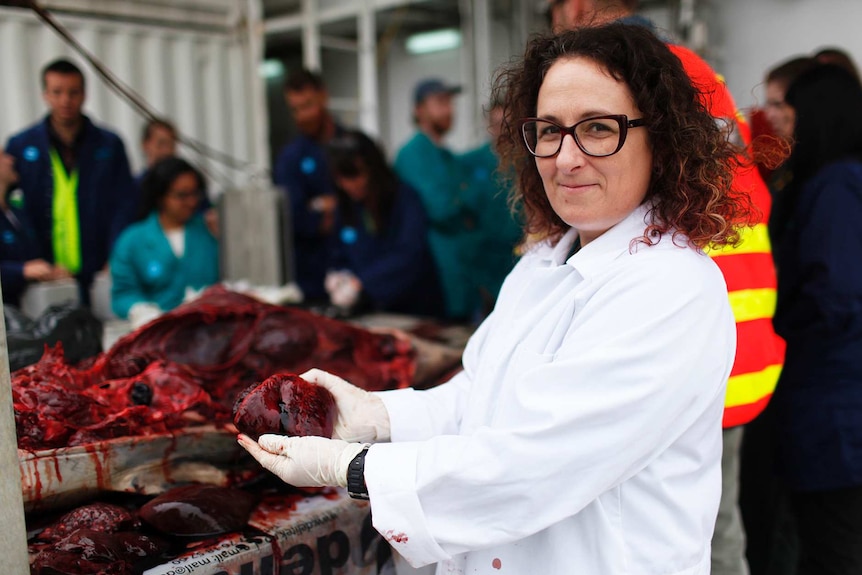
(198, 510)
(188, 366)
(103, 517)
(86, 551)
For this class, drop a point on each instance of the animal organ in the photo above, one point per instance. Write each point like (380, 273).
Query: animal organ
(198, 510)
(285, 404)
(189, 365)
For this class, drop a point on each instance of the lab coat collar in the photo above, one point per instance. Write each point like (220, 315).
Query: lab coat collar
(608, 246)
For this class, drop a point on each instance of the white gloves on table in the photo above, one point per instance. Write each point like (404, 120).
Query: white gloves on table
(362, 416)
(343, 288)
(143, 312)
(304, 461)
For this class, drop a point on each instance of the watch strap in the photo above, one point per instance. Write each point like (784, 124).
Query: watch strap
(356, 487)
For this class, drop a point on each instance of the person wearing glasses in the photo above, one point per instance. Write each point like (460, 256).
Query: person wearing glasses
(584, 433)
(168, 250)
(749, 271)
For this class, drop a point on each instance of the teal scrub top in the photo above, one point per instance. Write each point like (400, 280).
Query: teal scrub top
(451, 203)
(145, 269)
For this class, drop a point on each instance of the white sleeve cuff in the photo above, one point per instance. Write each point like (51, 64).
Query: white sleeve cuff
(390, 475)
(409, 420)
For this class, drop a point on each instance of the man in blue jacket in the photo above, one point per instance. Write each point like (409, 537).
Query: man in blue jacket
(77, 188)
(301, 169)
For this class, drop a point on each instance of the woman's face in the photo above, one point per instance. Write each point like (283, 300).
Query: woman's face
(779, 114)
(355, 186)
(588, 193)
(160, 145)
(181, 201)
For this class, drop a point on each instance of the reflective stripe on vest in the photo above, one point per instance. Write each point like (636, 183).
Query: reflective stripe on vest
(753, 239)
(66, 234)
(749, 304)
(749, 387)
(752, 295)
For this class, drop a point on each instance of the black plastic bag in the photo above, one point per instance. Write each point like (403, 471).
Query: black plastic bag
(75, 327)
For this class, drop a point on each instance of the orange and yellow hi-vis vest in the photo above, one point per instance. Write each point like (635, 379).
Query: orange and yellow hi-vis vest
(748, 268)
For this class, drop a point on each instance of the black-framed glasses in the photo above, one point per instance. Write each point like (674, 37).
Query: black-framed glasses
(598, 137)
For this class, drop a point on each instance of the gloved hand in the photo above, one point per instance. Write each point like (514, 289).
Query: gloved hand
(304, 461)
(362, 416)
(143, 312)
(343, 288)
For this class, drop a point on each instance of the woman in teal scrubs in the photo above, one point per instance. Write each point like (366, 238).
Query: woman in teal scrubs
(170, 248)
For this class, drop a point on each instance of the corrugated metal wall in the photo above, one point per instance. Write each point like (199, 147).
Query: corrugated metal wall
(204, 78)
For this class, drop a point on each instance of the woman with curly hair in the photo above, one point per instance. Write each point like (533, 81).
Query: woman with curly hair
(584, 434)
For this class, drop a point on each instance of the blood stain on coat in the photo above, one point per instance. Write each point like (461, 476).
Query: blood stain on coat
(393, 537)
(496, 563)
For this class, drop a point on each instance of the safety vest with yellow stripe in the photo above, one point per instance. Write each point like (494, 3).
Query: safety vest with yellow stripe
(748, 268)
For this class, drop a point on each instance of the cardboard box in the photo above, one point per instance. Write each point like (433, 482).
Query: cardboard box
(325, 534)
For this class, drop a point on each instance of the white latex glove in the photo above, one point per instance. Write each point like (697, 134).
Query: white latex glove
(362, 416)
(343, 288)
(304, 461)
(143, 312)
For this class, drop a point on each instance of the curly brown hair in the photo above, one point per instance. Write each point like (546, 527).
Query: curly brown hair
(693, 159)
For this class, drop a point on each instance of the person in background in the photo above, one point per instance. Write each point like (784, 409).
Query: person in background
(781, 119)
(302, 171)
(20, 260)
(158, 141)
(748, 270)
(779, 115)
(819, 396)
(499, 228)
(444, 187)
(76, 185)
(584, 433)
(838, 57)
(381, 259)
(169, 250)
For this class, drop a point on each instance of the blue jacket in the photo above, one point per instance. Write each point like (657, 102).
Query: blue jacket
(443, 185)
(17, 245)
(818, 400)
(107, 195)
(145, 269)
(397, 271)
(302, 170)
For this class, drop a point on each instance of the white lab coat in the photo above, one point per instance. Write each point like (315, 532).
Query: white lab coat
(584, 435)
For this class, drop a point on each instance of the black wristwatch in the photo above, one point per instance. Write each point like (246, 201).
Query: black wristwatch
(356, 475)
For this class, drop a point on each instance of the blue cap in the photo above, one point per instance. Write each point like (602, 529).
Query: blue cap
(430, 86)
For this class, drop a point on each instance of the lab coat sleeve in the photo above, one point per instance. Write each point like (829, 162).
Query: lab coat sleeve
(577, 422)
(126, 287)
(826, 302)
(419, 415)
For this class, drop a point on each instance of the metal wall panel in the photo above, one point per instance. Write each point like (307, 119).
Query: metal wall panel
(202, 76)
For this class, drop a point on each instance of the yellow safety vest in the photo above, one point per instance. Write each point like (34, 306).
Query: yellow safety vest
(66, 233)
